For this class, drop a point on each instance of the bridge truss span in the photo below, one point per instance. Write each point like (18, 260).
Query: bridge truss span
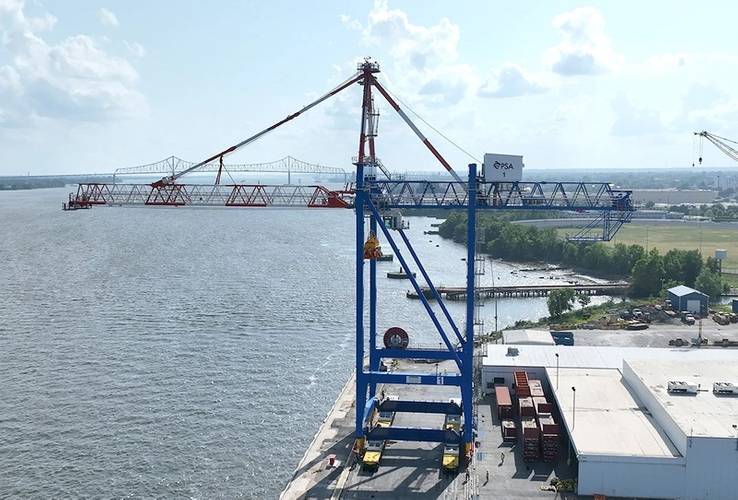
(289, 165)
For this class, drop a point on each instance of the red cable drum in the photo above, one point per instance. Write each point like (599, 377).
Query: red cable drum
(396, 338)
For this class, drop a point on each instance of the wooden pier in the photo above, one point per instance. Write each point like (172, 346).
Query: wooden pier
(459, 293)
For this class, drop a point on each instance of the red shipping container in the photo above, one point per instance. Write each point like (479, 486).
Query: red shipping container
(503, 395)
(530, 429)
(526, 408)
(521, 384)
(536, 389)
(542, 406)
(548, 425)
(504, 404)
(509, 431)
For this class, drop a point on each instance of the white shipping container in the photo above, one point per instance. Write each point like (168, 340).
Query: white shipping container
(502, 168)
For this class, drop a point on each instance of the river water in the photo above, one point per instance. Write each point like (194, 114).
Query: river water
(186, 352)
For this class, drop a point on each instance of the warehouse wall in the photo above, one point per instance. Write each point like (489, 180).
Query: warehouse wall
(631, 477)
(490, 373)
(712, 465)
(662, 417)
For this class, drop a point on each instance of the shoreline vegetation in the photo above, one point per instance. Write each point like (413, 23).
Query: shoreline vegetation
(21, 183)
(650, 273)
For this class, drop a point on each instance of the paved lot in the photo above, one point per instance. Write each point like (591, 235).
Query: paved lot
(413, 470)
(657, 335)
(509, 476)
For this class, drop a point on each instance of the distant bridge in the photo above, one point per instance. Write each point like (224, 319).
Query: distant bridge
(289, 165)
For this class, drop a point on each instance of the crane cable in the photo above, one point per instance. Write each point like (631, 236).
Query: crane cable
(431, 126)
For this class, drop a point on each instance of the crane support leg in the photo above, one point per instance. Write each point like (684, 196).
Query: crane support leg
(467, 404)
(361, 379)
(373, 354)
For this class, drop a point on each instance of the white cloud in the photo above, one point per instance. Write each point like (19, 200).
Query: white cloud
(703, 96)
(135, 48)
(707, 106)
(107, 18)
(585, 49)
(511, 81)
(423, 59)
(351, 23)
(631, 120)
(667, 62)
(71, 79)
(418, 46)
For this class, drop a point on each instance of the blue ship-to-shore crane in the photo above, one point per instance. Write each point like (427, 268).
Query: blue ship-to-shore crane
(378, 197)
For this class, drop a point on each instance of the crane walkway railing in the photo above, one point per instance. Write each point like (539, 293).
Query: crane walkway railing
(387, 194)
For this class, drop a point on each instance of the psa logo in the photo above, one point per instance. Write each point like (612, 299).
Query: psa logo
(499, 165)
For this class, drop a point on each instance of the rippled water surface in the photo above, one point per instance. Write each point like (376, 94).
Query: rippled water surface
(183, 352)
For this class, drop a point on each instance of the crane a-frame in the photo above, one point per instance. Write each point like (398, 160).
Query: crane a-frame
(378, 198)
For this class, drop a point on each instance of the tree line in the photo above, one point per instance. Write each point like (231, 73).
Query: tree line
(649, 272)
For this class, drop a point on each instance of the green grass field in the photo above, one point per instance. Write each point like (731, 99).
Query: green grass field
(665, 238)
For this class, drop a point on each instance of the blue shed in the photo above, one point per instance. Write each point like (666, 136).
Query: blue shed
(684, 298)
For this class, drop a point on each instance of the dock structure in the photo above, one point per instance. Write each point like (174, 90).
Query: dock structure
(328, 460)
(459, 293)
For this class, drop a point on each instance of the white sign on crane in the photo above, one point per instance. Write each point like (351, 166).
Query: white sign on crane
(502, 168)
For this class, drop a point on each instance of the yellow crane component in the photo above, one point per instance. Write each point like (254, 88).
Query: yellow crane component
(372, 249)
(450, 461)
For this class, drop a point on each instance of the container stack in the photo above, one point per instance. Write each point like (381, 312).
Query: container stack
(536, 388)
(531, 440)
(549, 437)
(509, 430)
(527, 410)
(504, 403)
(522, 389)
(542, 406)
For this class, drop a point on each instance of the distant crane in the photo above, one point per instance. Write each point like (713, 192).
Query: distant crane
(378, 199)
(722, 143)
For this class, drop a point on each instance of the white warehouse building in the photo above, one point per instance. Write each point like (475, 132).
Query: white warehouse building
(631, 436)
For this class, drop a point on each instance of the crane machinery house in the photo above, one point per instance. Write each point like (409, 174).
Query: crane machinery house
(502, 168)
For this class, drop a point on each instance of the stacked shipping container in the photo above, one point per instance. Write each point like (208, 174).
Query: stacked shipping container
(509, 430)
(505, 413)
(504, 403)
(531, 440)
(549, 437)
(539, 430)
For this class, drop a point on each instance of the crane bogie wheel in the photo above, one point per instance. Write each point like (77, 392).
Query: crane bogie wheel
(396, 338)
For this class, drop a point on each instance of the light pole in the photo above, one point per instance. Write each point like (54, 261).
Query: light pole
(573, 416)
(557, 371)
(573, 407)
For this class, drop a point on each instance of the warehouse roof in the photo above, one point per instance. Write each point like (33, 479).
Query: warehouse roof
(609, 405)
(606, 419)
(527, 337)
(681, 291)
(596, 356)
(703, 414)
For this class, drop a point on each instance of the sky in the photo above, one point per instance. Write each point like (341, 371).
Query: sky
(91, 86)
